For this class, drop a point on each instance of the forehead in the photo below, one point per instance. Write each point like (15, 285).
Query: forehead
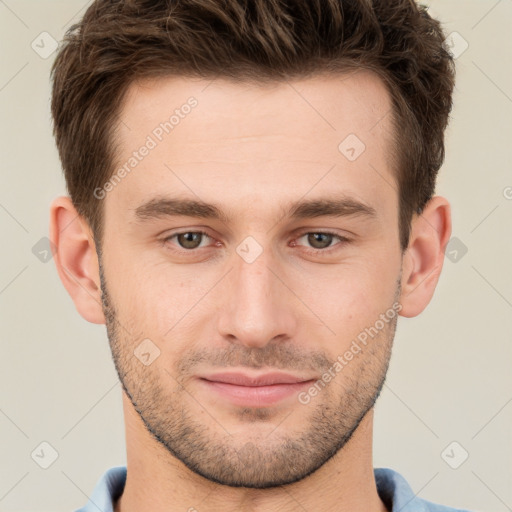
(356, 100)
(246, 140)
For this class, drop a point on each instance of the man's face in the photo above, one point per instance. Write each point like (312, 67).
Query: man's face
(263, 291)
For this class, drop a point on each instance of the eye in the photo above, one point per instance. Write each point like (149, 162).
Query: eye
(321, 241)
(188, 240)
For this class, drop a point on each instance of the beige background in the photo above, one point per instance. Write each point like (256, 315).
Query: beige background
(450, 377)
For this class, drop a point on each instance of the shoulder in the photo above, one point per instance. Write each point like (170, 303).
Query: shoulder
(107, 490)
(397, 494)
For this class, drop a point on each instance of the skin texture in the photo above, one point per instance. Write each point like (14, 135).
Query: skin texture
(252, 150)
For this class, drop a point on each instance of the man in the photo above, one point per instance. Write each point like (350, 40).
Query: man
(251, 207)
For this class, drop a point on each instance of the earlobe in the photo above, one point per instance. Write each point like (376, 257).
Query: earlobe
(76, 259)
(423, 260)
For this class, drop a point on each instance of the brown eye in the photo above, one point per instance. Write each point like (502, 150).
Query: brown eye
(320, 240)
(188, 240)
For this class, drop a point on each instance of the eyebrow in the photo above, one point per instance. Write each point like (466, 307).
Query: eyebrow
(303, 209)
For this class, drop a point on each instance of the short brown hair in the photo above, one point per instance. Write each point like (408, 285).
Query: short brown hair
(117, 42)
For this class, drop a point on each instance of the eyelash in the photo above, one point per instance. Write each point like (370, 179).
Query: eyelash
(343, 241)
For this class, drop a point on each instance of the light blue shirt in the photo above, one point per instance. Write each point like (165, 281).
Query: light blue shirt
(392, 487)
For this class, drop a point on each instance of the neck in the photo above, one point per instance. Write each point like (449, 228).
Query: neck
(157, 482)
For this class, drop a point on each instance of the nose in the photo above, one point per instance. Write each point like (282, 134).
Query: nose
(257, 306)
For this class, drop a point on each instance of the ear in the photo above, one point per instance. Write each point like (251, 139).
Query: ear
(76, 259)
(424, 257)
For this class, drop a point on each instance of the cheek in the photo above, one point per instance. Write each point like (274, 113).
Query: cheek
(359, 288)
(352, 301)
(165, 300)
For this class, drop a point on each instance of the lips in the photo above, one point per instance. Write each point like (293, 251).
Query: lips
(247, 390)
(267, 379)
